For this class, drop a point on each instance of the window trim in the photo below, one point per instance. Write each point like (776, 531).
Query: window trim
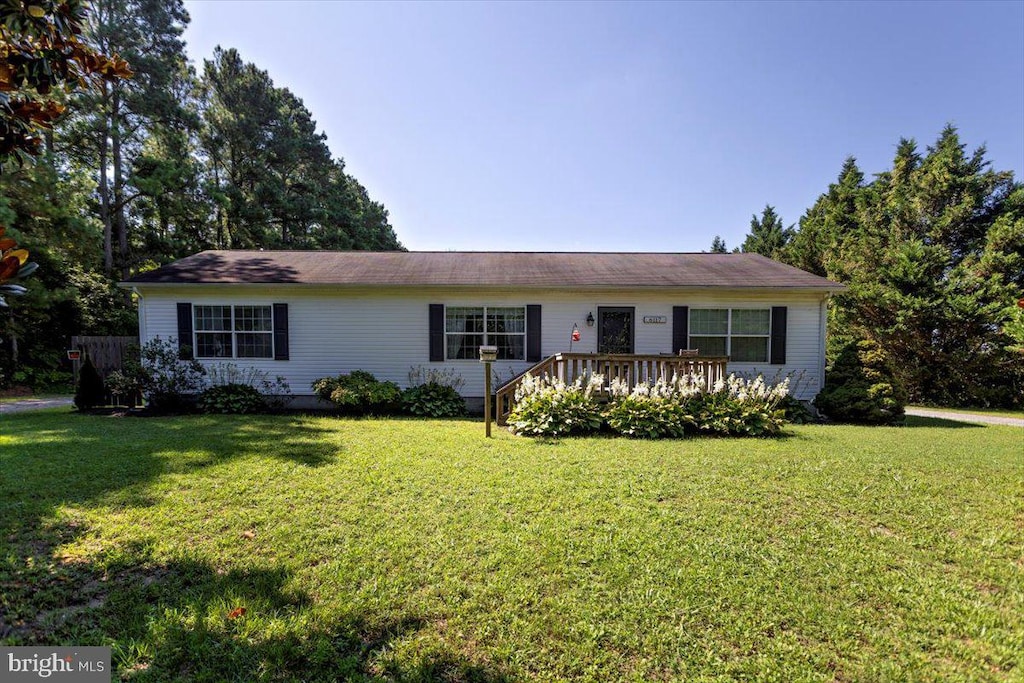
(729, 333)
(232, 331)
(524, 334)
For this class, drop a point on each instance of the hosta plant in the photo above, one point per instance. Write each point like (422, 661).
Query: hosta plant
(547, 406)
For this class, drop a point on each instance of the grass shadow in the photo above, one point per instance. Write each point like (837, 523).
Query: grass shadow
(916, 421)
(45, 463)
(185, 619)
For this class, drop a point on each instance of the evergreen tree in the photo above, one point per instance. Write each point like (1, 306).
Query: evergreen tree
(91, 391)
(718, 246)
(110, 127)
(824, 225)
(767, 235)
(272, 175)
(931, 252)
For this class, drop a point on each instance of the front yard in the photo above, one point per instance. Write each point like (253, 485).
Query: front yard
(312, 548)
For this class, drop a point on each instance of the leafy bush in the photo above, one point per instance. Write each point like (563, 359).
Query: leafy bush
(862, 387)
(90, 391)
(649, 417)
(169, 382)
(129, 382)
(433, 400)
(734, 406)
(797, 411)
(359, 393)
(547, 406)
(234, 399)
(274, 393)
(126, 385)
(721, 412)
(42, 379)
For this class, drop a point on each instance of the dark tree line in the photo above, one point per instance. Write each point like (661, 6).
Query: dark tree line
(140, 171)
(932, 253)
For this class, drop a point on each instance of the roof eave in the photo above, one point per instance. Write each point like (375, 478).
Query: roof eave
(830, 287)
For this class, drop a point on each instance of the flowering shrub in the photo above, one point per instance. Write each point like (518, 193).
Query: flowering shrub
(681, 406)
(653, 411)
(664, 409)
(547, 406)
(169, 382)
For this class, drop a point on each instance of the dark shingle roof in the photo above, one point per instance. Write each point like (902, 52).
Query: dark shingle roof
(484, 269)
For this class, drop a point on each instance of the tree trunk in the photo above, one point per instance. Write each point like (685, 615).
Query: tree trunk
(220, 206)
(104, 190)
(119, 208)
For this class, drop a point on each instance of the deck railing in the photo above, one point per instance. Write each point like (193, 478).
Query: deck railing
(633, 368)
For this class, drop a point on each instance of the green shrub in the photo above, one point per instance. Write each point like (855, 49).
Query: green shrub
(734, 406)
(433, 400)
(43, 380)
(797, 411)
(359, 393)
(649, 417)
(234, 399)
(862, 387)
(170, 383)
(90, 391)
(549, 407)
(274, 393)
(730, 413)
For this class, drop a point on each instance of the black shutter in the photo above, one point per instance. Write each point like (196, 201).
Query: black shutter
(185, 350)
(436, 332)
(533, 333)
(680, 328)
(280, 331)
(778, 335)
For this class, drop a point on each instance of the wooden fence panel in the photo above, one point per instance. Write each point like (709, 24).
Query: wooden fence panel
(107, 353)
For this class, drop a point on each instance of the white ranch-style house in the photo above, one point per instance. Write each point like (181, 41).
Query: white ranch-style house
(305, 315)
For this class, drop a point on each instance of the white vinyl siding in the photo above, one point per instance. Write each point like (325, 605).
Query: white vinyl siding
(386, 331)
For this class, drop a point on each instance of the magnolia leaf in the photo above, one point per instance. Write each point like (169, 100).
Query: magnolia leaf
(9, 266)
(36, 12)
(28, 269)
(13, 289)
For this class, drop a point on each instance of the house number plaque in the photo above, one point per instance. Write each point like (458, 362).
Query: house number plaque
(655, 319)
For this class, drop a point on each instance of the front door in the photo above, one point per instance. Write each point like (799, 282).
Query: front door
(615, 329)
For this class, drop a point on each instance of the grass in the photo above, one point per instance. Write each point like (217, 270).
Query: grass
(996, 412)
(417, 550)
(42, 396)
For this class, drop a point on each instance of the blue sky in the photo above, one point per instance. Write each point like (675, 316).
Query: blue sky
(626, 127)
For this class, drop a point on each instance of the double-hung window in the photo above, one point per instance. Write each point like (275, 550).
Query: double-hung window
(467, 328)
(742, 334)
(234, 331)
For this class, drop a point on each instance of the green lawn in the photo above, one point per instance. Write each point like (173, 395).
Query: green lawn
(417, 550)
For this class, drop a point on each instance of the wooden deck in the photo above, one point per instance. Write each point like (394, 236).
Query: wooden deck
(633, 368)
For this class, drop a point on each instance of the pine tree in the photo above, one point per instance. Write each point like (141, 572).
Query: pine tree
(767, 235)
(718, 246)
(91, 391)
(931, 252)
